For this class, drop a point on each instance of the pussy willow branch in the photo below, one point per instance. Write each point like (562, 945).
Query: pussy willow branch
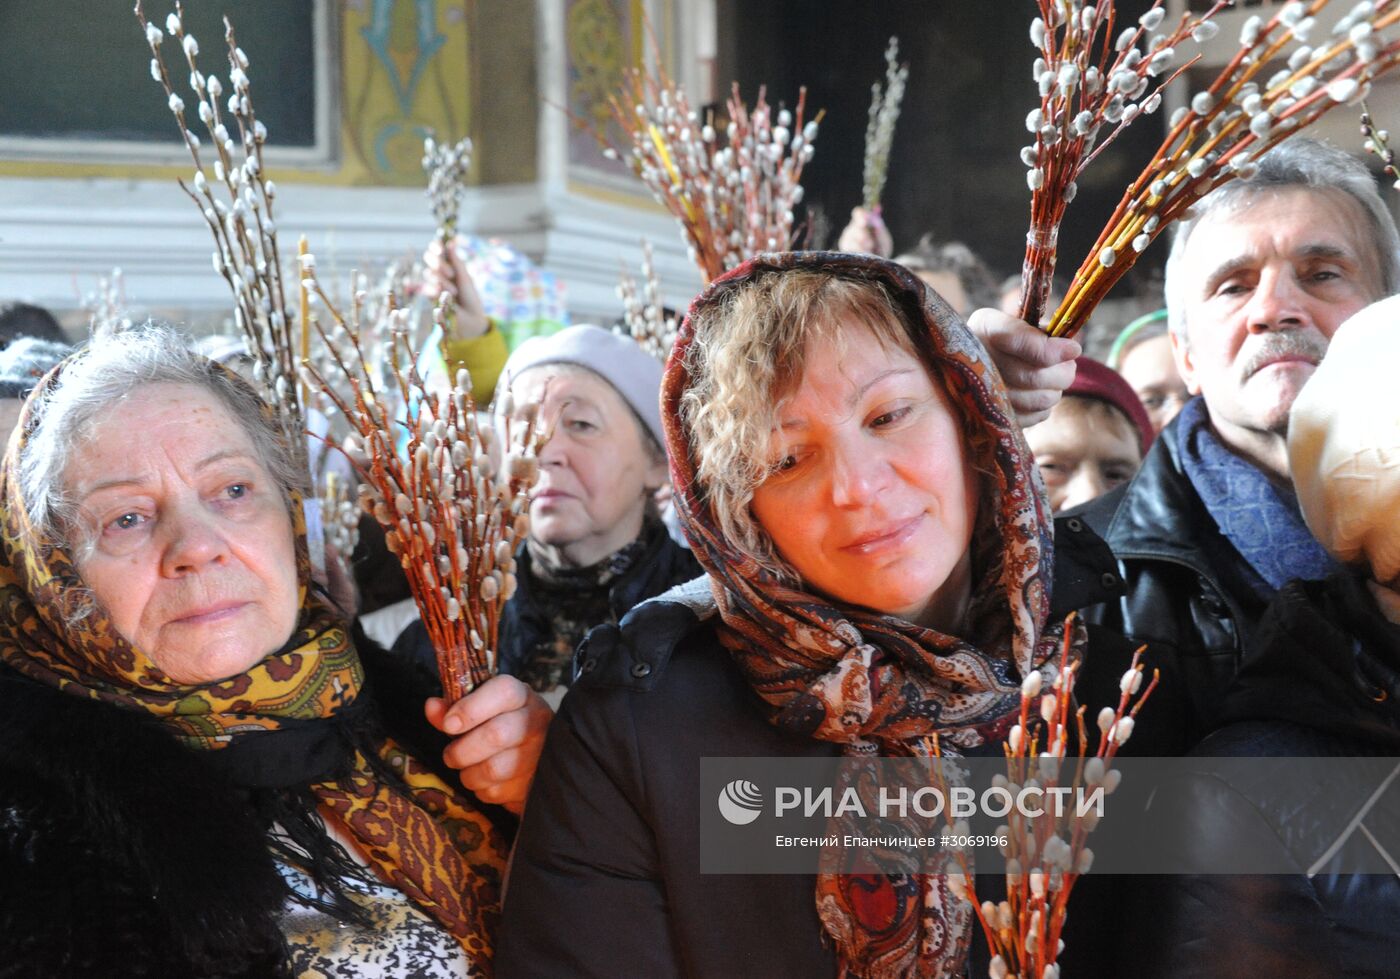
(1377, 142)
(246, 252)
(1047, 853)
(733, 189)
(1091, 82)
(879, 130)
(451, 514)
(644, 310)
(446, 166)
(1230, 125)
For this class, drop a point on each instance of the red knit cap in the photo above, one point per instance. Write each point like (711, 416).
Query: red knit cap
(1095, 380)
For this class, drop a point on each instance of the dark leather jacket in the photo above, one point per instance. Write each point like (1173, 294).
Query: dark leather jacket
(1184, 591)
(1323, 682)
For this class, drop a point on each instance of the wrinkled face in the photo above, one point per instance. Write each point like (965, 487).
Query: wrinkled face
(595, 472)
(1084, 449)
(872, 500)
(194, 558)
(1266, 287)
(1151, 372)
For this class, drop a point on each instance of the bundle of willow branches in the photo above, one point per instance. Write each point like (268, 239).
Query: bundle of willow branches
(446, 166)
(644, 311)
(733, 189)
(452, 498)
(1218, 137)
(107, 306)
(1046, 853)
(1093, 84)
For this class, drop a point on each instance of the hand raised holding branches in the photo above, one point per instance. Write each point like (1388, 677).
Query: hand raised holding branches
(447, 166)
(1037, 369)
(866, 234)
(444, 272)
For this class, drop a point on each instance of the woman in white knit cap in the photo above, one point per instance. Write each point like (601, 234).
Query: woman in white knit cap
(597, 545)
(1323, 680)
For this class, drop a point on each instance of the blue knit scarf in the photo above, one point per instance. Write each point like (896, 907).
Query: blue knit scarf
(1262, 521)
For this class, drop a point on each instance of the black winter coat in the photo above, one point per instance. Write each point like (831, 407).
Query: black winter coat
(605, 880)
(1323, 682)
(122, 853)
(1184, 590)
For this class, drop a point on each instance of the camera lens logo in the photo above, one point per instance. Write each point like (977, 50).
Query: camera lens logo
(740, 802)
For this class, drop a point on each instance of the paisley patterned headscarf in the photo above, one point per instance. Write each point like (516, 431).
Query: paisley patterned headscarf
(875, 683)
(417, 832)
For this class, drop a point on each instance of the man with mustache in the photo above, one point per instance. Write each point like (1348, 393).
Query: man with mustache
(1209, 529)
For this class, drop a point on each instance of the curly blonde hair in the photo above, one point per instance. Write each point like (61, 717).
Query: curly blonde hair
(748, 356)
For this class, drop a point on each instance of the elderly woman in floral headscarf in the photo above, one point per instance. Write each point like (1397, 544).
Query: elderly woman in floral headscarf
(201, 771)
(878, 549)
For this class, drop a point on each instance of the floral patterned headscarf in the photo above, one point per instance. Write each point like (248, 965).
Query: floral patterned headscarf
(417, 832)
(875, 683)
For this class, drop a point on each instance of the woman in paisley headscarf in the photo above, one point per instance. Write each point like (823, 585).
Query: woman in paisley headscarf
(202, 771)
(877, 542)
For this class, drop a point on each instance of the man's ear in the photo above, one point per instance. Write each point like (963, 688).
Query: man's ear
(1185, 366)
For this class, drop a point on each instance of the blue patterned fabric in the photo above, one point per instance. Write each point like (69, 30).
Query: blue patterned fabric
(1261, 520)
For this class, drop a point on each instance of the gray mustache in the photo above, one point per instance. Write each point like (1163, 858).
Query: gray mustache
(1289, 343)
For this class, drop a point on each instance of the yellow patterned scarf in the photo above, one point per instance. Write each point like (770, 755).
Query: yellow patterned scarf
(421, 835)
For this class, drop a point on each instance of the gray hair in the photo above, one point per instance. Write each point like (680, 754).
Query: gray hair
(1294, 163)
(69, 411)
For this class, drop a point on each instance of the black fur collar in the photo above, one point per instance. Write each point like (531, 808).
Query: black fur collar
(121, 853)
